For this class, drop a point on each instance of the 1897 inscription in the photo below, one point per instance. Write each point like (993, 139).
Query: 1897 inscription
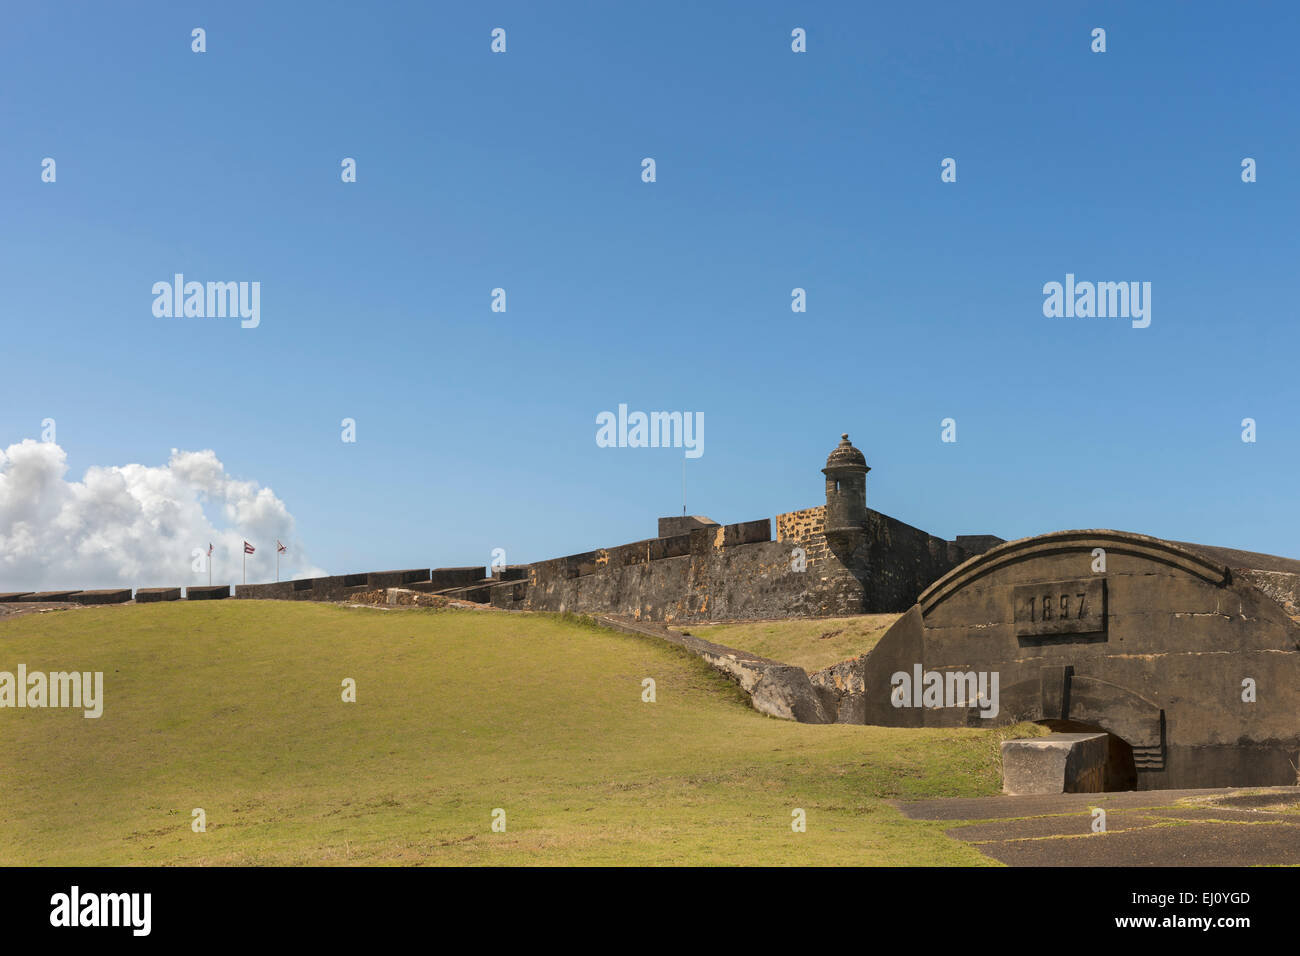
(1060, 607)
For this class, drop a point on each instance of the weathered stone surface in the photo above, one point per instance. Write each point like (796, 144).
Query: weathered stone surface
(152, 595)
(207, 593)
(108, 596)
(840, 689)
(1057, 763)
(7, 597)
(1192, 665)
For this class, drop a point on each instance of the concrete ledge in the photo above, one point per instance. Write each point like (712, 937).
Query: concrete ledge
(107, 596)
(206, 593)
(151, 595)
(681, 524)
(1057, 763)
(776, 689)
(8, 597)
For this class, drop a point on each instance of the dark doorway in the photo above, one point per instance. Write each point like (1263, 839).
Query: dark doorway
(1121, 771)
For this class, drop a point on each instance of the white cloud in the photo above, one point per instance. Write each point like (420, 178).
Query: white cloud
(135, 525)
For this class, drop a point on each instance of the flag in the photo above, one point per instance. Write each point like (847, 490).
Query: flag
(248, 548)
(209, 549)
(280, 549)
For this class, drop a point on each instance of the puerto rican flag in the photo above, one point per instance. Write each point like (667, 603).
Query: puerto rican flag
(281, 549)
(248, 548)
(209, 549)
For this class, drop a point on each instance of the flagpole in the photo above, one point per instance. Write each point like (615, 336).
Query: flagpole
(277, 562)
(245, 564)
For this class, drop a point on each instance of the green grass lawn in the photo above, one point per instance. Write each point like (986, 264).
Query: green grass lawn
(810, 644)
(235, 707)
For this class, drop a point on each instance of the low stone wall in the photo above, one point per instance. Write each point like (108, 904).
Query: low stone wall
(152, 595)
(400, 597)
(440, 579)
(776, 689)
(207, 593)
(108, 596)
(396, 579)
(337, 587)
(47, 597)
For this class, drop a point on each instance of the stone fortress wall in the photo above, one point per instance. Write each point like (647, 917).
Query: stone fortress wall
(840, 558)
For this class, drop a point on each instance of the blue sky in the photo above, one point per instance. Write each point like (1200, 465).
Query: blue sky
(775, 170)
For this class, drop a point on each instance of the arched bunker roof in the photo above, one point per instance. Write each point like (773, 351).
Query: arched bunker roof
(1210, 563)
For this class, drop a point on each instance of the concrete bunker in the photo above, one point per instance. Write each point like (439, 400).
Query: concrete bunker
(1188, 656)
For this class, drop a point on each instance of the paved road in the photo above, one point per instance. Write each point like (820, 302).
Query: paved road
(1239, 827)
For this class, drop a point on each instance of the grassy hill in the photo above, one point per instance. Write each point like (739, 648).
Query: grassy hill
(236, 707)
(808, 643)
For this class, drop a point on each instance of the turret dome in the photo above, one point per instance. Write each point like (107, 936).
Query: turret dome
(845, 455)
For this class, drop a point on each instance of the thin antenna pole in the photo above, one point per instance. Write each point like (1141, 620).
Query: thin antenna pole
(683, 486)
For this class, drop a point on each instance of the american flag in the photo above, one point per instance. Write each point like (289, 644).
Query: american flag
(248, 548)
(279, 547)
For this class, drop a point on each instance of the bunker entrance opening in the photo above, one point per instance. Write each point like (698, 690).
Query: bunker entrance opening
(1120, 771)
